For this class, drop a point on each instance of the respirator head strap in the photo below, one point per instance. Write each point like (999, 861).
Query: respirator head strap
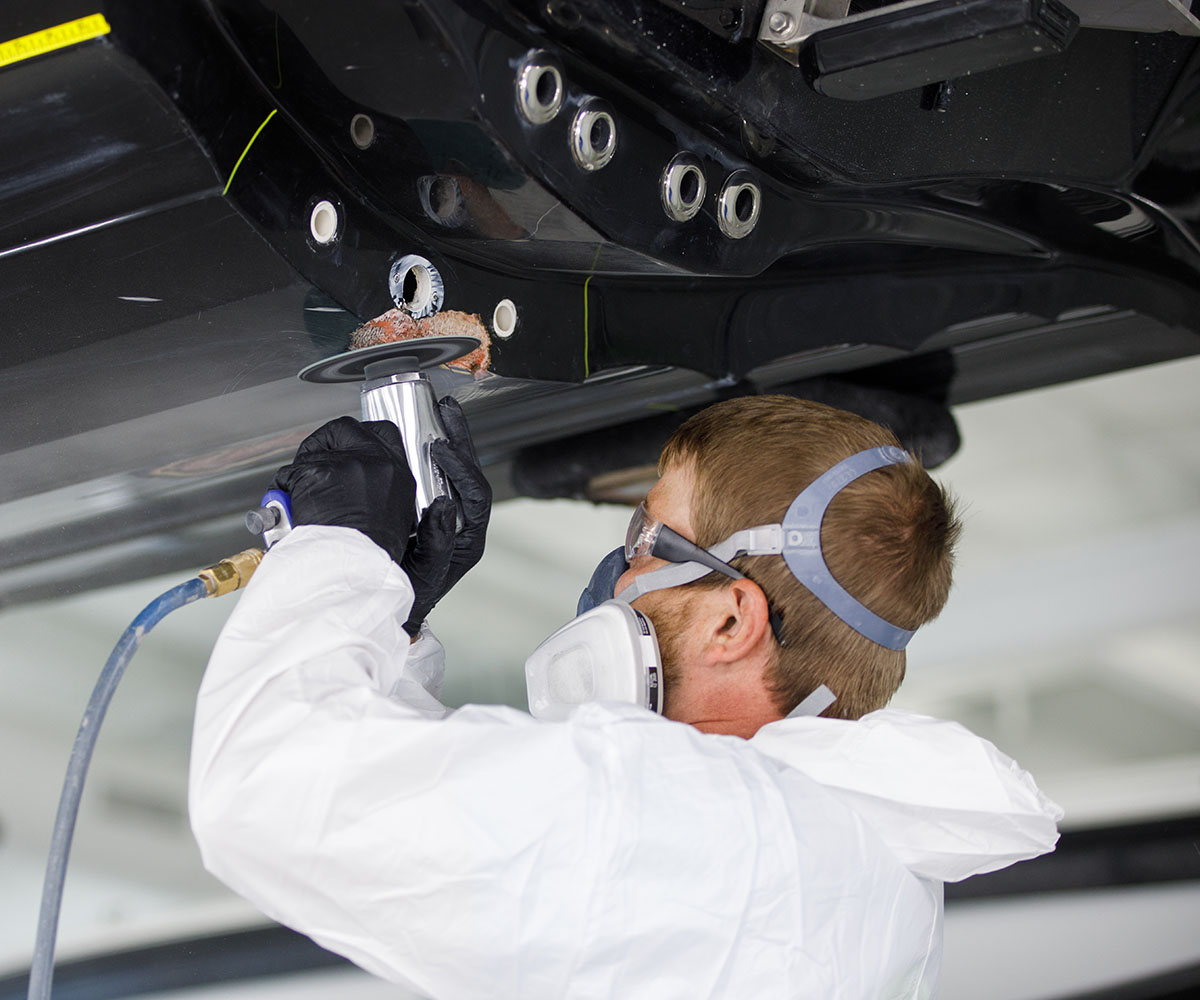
(802, 545)
(816, 703)
(798, 539)
(672, 575)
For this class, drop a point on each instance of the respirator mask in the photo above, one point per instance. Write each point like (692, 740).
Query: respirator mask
(609, 651)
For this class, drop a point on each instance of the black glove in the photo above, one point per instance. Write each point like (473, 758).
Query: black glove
(354, 475)
(439, 557)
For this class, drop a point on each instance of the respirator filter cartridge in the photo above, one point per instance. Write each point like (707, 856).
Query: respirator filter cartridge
(607, 654)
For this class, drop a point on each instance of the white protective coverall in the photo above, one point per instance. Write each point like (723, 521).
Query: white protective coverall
(483, 853)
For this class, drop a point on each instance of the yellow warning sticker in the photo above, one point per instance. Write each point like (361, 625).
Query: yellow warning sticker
(49, 39)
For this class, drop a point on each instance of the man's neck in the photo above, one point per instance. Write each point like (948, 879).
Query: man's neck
(732, 708)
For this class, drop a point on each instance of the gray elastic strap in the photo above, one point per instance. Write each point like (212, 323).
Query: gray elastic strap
(764, 540)
(814, 704)
(802, 545)
(672, 575)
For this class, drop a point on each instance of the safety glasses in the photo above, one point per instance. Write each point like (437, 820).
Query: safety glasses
(641, 534)
(647, 536)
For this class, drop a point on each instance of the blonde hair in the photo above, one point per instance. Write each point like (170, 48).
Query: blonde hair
(888, 537)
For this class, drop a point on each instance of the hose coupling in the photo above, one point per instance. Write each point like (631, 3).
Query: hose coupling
(232, 573)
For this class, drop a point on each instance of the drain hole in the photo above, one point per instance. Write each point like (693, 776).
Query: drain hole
(416, 286)
(323, 223)
(689, 186)
(682, 187)
(362, 131)
(600, 135)
(547, 87)
(593, 135)
(539, 88)
(739, 206)
(504, 318)
(443, 197)
(745, 204)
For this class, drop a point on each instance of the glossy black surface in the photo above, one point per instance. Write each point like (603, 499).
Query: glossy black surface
(161, 286)
(896, 50)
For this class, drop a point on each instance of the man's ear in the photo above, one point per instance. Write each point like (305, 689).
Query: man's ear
(739, 621)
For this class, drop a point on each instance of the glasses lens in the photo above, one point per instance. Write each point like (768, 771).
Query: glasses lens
(643, 530)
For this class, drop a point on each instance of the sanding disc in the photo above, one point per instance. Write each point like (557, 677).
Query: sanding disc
(405, 355)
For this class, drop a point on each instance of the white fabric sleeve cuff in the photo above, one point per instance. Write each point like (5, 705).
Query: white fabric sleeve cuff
(420, 682)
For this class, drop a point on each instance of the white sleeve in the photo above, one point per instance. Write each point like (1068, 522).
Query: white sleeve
(327, 790)
(485, 853)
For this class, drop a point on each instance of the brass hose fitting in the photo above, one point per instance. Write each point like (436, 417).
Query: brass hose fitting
(232, 573)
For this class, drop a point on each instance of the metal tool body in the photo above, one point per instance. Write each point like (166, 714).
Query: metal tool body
(407, 400)
(394, 388)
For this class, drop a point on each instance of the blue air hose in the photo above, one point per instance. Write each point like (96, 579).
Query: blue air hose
(222, 578)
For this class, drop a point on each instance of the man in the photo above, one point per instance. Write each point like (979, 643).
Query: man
(724, 848)
(887, 537)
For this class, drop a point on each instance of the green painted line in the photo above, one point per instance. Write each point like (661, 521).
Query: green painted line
(234, 171)
(587, 370)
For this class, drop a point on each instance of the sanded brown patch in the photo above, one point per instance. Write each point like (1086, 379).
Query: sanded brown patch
(395, 326)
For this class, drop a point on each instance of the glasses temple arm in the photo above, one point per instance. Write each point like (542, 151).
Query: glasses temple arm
(764, 540)
(673, 547)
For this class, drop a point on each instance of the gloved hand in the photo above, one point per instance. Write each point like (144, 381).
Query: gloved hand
(354, 475)
(438, 557)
